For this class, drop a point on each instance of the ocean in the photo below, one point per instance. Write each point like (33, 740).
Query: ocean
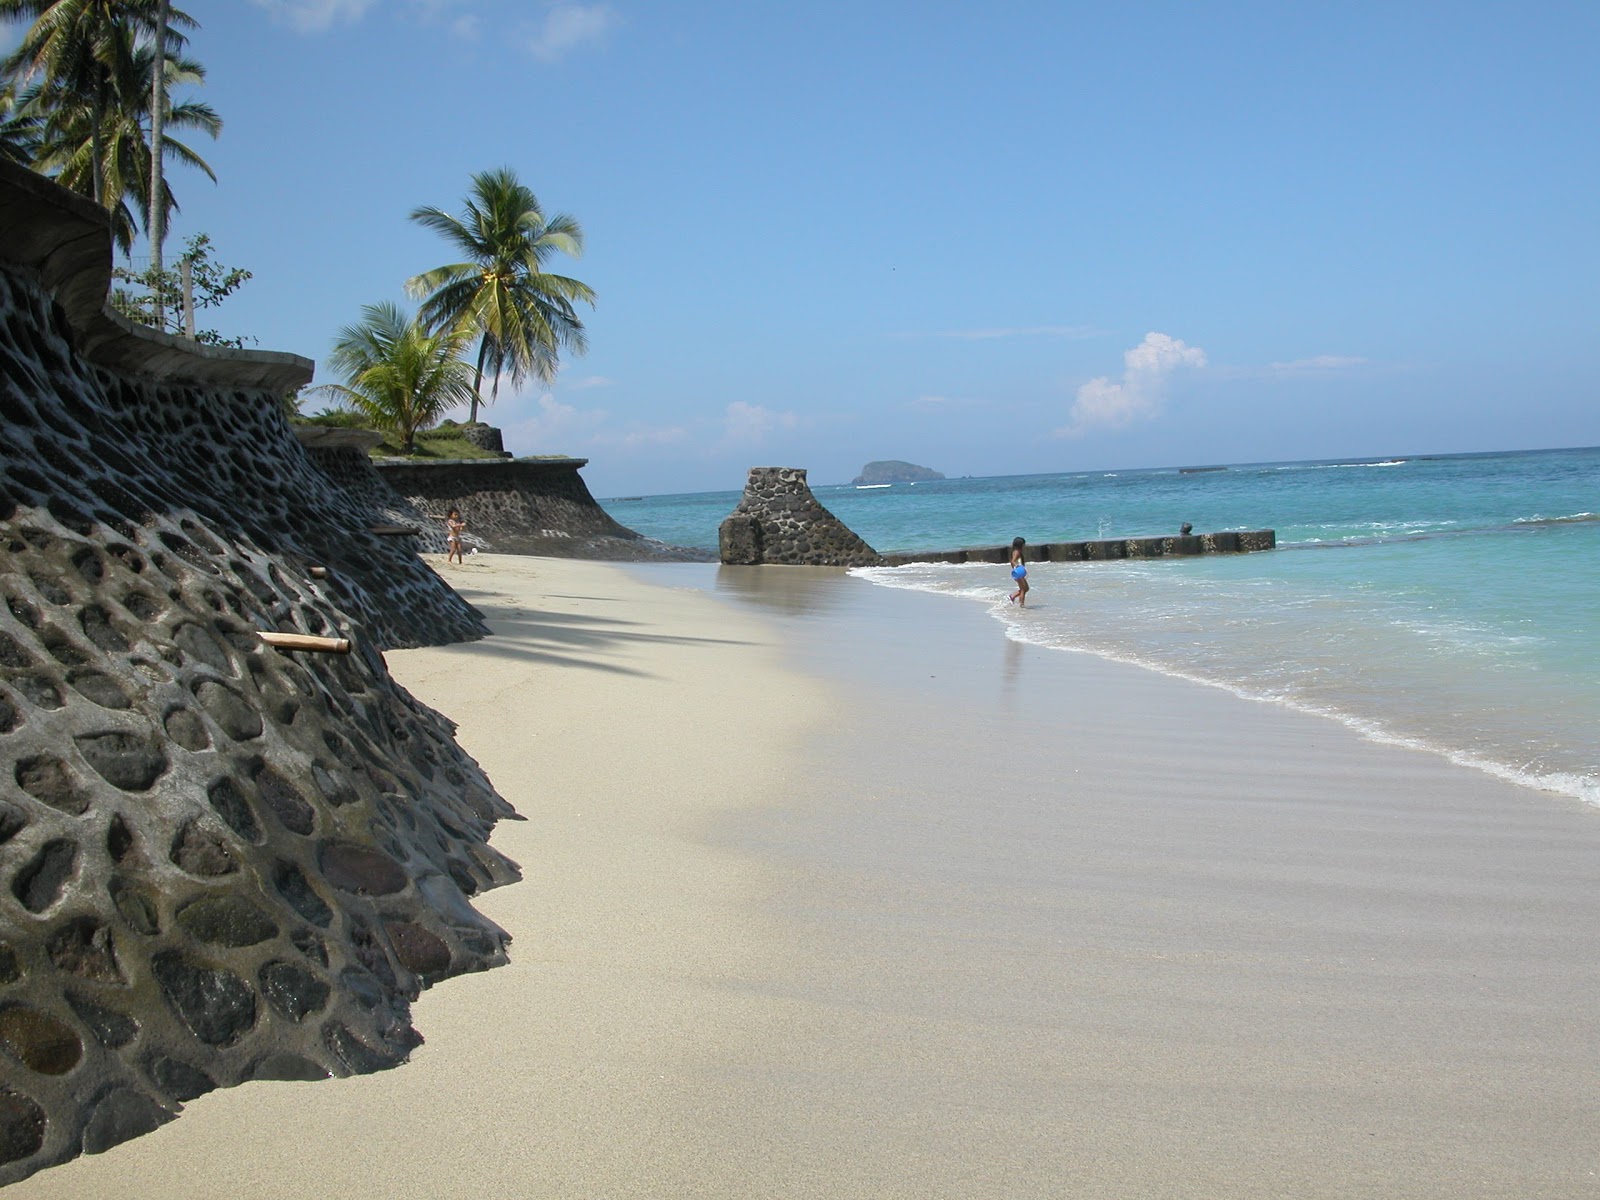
(1446, 602)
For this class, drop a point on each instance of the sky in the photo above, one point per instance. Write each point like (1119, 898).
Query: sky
(994, 238)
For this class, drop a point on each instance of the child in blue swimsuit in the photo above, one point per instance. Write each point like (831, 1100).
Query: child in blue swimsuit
(1019, 572)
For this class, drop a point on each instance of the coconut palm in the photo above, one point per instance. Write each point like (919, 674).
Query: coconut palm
(114, 155)
(399, 374)
(499, 292)
(86, 49)
(19, 130)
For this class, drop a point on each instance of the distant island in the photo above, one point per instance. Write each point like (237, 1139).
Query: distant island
(892, 470)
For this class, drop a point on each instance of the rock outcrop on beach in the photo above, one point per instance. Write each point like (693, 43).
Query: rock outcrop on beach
(893, 470)
(779, 520)
(525, 506)
(218, 861)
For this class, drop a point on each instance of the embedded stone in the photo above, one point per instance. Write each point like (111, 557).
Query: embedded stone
(124, 760)
(21, 1126)
(50, 781)
(293, 991)
(10, 967)
(136, 905)
(187, 730)
(218, 1007)
(110, 1027)
(419, 950)
(38, 884)
(178, 1079)
(293, 886)
(99, 688)
(231, 711)
(200, 851)
(226, 921)
(290, 1067)
(122, 1114)
(39, 1041)
(285, 801)
(361, 871)
(12, 822)
(356, 1055)
(119, 838)
(83, 947)
(233, 808)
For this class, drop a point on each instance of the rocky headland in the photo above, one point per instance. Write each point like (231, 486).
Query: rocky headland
(219, 861)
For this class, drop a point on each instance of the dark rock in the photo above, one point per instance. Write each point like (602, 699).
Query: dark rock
(293, 991)
(119, 838)
(12, 822)
(38, 885)
(122, 1114)
(419, 950)
(50, 781)
(124, 760)
(178, 1079)
(291, 1067)
(201, 851)
(21, 1126)
(10, 967)
(187, 730)
(364, 872)
(110, 1027)
(233, 808)
(293, 886)
(285, 801)
(779, 520)
(238, 719)
(136, 905)
(356, 1055)
(38, 1041)
(83, 947)
(100, 689)
(226, 920)
(218, 1007)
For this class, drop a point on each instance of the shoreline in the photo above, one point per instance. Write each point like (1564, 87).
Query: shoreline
(830, 891)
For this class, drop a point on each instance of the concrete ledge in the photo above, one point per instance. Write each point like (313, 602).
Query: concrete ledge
(66, 241)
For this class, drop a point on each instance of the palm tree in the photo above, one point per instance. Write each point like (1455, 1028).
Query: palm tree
(85, 49)
(115, 154)
(500, 292)
(398, 374)
(19, 131)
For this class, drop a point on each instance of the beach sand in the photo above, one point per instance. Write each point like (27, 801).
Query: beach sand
(832, 891)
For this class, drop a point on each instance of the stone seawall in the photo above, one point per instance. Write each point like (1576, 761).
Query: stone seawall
(780, 520)
(1233, 542)
(343, 456)
(218, 862)
(524, 506)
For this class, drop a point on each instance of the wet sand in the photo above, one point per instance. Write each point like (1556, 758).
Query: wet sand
(832, 891)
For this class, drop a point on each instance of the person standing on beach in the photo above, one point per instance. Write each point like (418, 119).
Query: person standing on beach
(454, 527)
(1019, 572)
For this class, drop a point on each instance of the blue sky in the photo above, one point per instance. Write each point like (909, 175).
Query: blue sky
(990, 238)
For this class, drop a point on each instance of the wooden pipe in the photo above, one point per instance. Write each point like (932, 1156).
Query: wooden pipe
(304, 641)
(318, 572)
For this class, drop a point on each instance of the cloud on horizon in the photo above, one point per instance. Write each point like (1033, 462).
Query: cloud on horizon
(567, 27)
(1141, 393)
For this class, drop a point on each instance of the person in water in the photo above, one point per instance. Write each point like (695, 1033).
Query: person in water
(1019, 572)
(454, 527)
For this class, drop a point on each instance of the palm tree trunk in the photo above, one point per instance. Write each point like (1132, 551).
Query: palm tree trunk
(158, 208)
(477, 376)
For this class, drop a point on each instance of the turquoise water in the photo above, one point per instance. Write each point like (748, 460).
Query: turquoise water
(1450, 603)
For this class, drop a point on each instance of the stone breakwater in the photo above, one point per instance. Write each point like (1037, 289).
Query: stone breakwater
(1231, 542)
(219, 862)
(524, 506)
(780, 520)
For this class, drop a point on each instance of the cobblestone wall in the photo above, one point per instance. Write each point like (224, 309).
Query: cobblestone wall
(779, 520)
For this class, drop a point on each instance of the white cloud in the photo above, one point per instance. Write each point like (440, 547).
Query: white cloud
(1321, 362)
(568, 26)
(584, 382)
(314, 16)
(750, 424)
(1103, 403)
(553, 422)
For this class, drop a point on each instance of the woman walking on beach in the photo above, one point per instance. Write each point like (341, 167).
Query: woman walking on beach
(1019, 572)
(454, 527)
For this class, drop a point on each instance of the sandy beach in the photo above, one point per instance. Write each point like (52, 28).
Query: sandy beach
(832, 891)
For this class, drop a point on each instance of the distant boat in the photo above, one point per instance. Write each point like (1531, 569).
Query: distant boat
(867, 487)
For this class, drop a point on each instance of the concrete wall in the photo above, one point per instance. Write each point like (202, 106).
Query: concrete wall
(218, 861)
